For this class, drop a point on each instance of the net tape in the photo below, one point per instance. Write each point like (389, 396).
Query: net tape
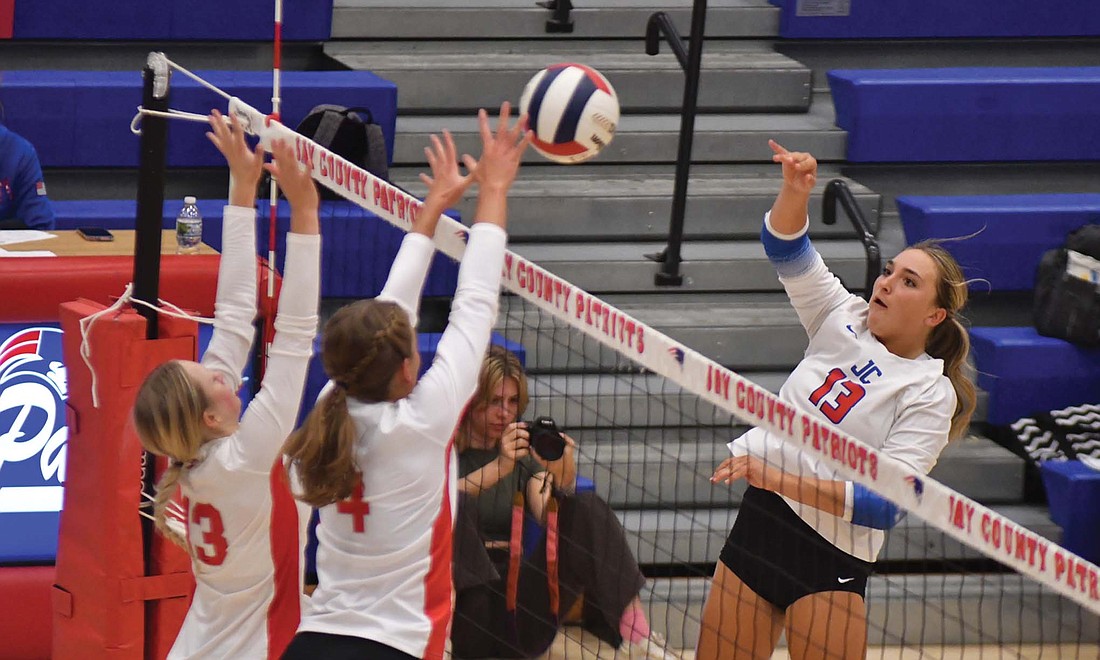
(958, 516)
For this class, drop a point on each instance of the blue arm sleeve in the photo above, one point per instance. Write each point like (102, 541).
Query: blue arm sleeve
(31, 204)
(872, 510)
(791, 257)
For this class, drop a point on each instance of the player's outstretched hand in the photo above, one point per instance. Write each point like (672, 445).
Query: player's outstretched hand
(297, 184)
(502, 151)
(446, 184)
(245, 163)
(799, 167)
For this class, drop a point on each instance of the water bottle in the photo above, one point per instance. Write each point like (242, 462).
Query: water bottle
(188, 227)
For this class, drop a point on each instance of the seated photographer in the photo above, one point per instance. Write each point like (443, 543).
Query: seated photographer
(510, 473)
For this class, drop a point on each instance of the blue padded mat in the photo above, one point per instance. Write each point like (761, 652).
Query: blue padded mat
(969, 114)
(82, 118)
(171, 20)
(1025, 372)
(1013, 231)
(867, 19)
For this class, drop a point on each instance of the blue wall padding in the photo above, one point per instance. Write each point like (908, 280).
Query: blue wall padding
(1013, 231)
(1073, 492)
(940, 18)
(82, 118)
(357, 247)
(171, 20)
(969, 114)
(1025, 372)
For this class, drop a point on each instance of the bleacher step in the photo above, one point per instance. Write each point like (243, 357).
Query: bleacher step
(748, 333)
(719, 138)
(443, 77)
(917, 611)
(586, 205)
(707, 265)
(465, 19)
(696, 536)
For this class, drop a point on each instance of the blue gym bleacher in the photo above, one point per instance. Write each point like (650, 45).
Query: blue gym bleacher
(171, 20)
(904, 19)
(1009, 232)
(968, 114)
(81, 118)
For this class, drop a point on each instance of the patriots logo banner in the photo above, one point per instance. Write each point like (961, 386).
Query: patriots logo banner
(33, 441)
(677, 354)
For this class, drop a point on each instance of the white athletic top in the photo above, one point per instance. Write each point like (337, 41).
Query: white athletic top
(902, 407)
(384, 555)
(243, 521)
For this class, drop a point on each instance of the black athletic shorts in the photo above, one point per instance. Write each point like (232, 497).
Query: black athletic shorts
(781, 558)
(314, 645)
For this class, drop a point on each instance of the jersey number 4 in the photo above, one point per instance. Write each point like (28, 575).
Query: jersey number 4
(212, 547)
(848, 394)
(356, 507)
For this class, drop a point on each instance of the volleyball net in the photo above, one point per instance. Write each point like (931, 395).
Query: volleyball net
(652, 416)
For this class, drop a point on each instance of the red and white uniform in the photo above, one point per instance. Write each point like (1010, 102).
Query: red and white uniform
(384, 555)
(243, 523)
(847, 377)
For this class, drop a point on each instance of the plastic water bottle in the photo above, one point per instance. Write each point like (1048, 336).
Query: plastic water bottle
(188, 227)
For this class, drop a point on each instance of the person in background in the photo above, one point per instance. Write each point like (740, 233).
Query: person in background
(23, 200)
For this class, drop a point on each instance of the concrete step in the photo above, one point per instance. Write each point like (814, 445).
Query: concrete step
(563, 205)
(670, 468)
(707, 265)
(747, 333)
(921, 612)
(719, 138)
(446, 77)
(696, 536)
(511, 19)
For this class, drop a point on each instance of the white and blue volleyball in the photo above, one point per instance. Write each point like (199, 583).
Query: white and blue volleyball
(572, 110)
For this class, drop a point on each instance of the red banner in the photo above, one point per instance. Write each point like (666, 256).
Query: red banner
(7, 18)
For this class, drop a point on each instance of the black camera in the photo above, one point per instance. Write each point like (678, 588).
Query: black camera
(545, 438)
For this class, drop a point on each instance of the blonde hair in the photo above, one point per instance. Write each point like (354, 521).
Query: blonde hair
(950, 341)
(168, 414)
(499, 363)
(364, 346)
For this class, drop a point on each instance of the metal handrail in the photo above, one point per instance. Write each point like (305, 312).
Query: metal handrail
(560, 22)
(838, 191)
(691, 62)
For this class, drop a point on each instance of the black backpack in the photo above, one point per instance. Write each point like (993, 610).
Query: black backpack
(1067, 306)
(350, 133)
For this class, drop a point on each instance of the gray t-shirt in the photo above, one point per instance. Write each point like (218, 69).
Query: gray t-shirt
(494, 505)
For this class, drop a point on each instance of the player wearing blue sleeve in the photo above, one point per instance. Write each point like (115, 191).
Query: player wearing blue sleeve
(890, 373)
(23, 201)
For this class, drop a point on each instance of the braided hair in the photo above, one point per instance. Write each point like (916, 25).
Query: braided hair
(364, 346)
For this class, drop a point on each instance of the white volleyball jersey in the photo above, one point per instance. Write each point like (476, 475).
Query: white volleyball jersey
(243, 523)
(384, 555)
(847, 377)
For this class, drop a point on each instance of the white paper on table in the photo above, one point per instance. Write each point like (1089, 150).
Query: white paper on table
(13, 236)
(26, 253)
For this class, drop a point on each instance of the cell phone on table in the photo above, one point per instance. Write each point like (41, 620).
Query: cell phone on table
(95, 234)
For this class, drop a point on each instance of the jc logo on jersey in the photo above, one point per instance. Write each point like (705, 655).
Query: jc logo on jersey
(33, 435)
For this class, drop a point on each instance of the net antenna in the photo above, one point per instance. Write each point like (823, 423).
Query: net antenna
(153, 145)
(273, 217)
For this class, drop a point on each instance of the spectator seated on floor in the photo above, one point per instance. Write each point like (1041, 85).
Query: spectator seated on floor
(501, 459)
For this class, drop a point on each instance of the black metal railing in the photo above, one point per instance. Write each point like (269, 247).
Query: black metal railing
(838, 191)
(560, 22)
(690, 58)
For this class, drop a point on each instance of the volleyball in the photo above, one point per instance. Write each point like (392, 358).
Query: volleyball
(573, 111)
